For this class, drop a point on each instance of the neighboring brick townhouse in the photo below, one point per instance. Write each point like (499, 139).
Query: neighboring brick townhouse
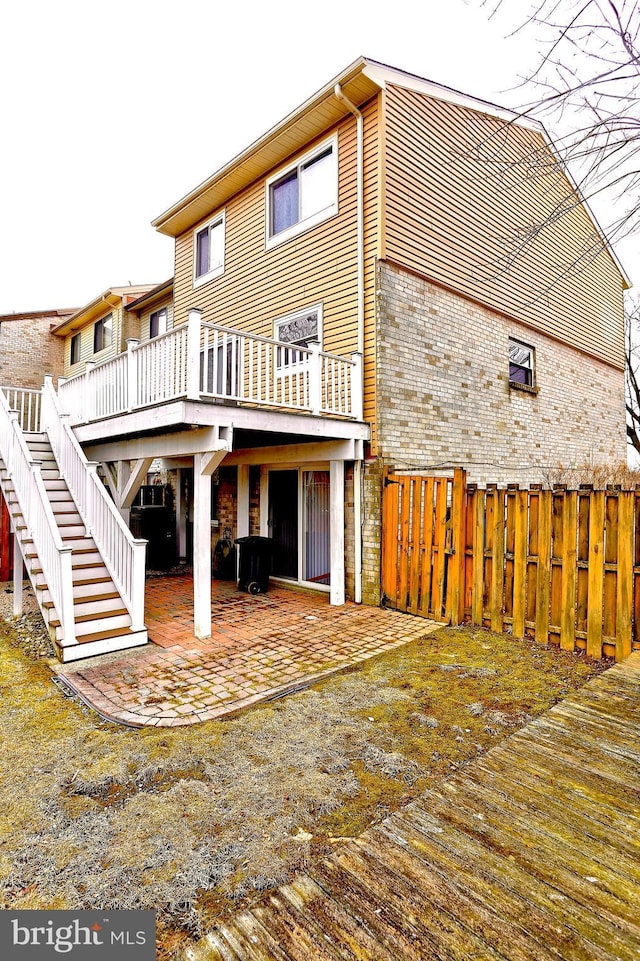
(28, 348)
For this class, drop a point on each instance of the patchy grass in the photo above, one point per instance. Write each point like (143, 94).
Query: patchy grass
(194, 821)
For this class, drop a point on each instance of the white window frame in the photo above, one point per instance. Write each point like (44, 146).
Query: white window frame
(162, 315)
(219, 219)
(283, 370)
(299, 469)
(274, 240)
(77, 338)
(111, 329)
(532, 365)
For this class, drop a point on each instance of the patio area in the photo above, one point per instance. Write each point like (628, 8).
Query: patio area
(262, 646)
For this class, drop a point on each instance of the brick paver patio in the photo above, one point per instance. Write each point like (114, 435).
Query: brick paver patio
(261, 647)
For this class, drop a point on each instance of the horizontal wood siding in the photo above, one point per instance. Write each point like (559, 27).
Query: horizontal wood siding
(319, 266)
(474, 204)
(86, 344)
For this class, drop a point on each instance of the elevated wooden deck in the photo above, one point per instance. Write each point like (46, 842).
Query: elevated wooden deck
(531, 854)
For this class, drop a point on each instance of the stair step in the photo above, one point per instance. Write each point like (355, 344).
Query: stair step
(95, 625)
(95, 574)
(80, 559)
(89, 611)
(91, 608)
(102, 642)
(71, 532)
(86, 561)
(66, 519)
(60, 495)
(56, 485)
(81, 544)
(64, 512)
(94, 592)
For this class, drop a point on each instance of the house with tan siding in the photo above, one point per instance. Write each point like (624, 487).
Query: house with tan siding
(396, 274)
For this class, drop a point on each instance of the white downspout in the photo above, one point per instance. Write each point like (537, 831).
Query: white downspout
(360, 209)
(357, 464)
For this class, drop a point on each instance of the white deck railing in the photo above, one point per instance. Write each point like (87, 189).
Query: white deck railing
(27, 404)
(201, 360)
(26, 477)
(123, 555)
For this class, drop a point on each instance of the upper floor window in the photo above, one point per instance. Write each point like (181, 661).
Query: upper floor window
(521, 364)
(103, 333)
(208, 248)
(74, 356)
(304, 194)
(158, 322)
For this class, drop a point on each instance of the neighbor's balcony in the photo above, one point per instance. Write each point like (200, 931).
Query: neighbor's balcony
(202, 361)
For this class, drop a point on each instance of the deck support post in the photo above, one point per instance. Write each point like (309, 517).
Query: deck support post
(204, 465)
(336, 531)
(242, 515)
(181, 514)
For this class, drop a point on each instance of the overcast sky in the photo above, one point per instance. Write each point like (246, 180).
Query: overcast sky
(112, 112)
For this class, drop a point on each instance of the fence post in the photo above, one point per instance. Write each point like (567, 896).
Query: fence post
(624, 600)
(497, 562)
(89, 393)
(193, 354)
(315, 377)
(543, 578)
(357, 403)
(132, 373)
(596, 574)
(138, 584)
(569, 571)
(477, 600)
(67, 614)
(459, 525)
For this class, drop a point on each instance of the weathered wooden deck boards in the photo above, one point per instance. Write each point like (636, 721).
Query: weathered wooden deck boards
(531, 854)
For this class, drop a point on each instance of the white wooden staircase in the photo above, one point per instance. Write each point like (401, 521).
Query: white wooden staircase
(86, 612)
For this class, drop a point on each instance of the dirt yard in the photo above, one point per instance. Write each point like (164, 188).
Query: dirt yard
(197, 821)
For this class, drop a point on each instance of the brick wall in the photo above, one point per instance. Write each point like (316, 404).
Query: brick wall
(443, 397)
(444, 394)
(28, 351)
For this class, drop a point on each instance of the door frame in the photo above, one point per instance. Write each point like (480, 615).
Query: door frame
(299, 468)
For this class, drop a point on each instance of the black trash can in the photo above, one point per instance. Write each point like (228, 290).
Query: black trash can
(255, 563)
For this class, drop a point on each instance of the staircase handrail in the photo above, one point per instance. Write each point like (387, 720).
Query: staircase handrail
(35, 508)
(122, 553)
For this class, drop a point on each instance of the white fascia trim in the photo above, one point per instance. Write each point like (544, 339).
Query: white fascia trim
(302, 225)
(384, 75)
(220, 217)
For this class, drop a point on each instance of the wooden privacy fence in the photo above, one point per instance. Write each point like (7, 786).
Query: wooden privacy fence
(559, 565)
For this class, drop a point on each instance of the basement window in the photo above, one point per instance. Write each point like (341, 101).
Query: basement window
(521, 365)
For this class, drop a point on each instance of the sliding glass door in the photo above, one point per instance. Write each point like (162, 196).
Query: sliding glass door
(315, 519)
(299, 516)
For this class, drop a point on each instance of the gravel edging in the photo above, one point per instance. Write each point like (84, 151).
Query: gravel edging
(27, 632)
